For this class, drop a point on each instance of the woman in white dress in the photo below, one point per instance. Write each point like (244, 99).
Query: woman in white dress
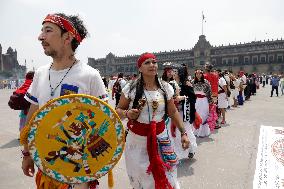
(222, 97)
(149, 155)
(203, 93)
(185, 101)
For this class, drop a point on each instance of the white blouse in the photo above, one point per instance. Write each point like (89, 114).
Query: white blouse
(156, 95)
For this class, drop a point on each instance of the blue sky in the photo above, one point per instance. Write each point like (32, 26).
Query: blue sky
(128, 27)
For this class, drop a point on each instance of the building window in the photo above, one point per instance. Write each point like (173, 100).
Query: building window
(224, 61)
(271, 58)
(246, 60)
(214, 61)
(263, 59)
(236, 60)
(254, 59)
(229, 61)
(201, 53)
(279, 58)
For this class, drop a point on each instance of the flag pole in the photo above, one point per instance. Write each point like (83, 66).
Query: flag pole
(202, 23)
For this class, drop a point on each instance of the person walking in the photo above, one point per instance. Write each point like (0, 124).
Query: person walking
(149, 154)
(203, 93)
(282, 84)
(117, 88)
(60, 36)
(274, 84)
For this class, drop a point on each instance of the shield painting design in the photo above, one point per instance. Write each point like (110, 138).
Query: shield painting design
(76, 138)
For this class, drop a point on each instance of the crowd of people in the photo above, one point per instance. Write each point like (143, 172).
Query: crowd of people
(201, 100)
(10, 83)
(164, 115)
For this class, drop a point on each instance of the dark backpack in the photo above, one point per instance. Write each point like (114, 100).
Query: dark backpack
(116, 87)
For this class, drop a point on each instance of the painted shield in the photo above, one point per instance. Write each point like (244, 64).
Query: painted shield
(76, 138)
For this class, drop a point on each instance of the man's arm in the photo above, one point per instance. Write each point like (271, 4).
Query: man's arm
(27, 163)
(32, 110)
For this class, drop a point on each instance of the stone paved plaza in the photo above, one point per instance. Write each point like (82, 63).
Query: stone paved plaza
(224, 160)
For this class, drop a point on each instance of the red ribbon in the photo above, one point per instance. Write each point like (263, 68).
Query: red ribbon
(24, 88)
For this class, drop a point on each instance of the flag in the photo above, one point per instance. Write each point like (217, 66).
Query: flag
(203, 17)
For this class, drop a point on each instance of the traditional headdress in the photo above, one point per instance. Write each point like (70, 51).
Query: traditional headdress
(168, 66)
(144, 57)
(64, 24)
(199, 71)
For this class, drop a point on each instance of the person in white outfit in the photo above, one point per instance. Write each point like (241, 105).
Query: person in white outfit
(185, 101)
(149, 154)
(202, 90)
(222, 97)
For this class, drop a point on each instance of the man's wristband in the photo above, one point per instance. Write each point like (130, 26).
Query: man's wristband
(26, 153)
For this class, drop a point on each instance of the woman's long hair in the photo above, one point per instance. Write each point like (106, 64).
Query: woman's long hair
(165, 76)
(182, 73)
(196, 79)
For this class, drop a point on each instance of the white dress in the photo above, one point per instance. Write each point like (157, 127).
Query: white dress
(202, 108)
(136, 155)
(181, 153)
(222, 100)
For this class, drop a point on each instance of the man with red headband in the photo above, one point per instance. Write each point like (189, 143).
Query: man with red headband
(60, 36)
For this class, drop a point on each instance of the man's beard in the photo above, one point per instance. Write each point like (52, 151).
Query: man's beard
(51, 53)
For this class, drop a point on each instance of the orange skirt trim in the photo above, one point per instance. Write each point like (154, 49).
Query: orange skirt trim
(45, 182)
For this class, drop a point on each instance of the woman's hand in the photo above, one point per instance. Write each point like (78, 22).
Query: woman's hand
(188, 83)
(185, 141)
(180, 98)
(133, 114)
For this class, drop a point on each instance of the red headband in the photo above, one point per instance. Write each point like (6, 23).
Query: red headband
(144, 57)
(64, 24)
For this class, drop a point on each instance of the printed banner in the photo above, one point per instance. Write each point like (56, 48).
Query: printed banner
(269, 172)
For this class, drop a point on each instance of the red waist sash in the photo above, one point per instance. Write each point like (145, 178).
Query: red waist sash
(200, 96)
(157, 165)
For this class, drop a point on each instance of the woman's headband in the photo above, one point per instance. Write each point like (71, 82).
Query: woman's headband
(144, 57)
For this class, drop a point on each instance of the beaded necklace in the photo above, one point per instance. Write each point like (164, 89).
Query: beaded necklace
(52, 90)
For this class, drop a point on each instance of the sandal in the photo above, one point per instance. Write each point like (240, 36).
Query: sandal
(217, 126)
(190, 155)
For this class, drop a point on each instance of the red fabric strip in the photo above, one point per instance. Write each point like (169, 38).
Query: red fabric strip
(157, 165)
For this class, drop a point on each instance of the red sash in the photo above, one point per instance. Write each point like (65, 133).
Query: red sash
(200, 96)
(157, 165)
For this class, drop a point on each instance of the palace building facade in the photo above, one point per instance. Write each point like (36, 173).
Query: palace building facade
(257, 56)
(10, 64)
